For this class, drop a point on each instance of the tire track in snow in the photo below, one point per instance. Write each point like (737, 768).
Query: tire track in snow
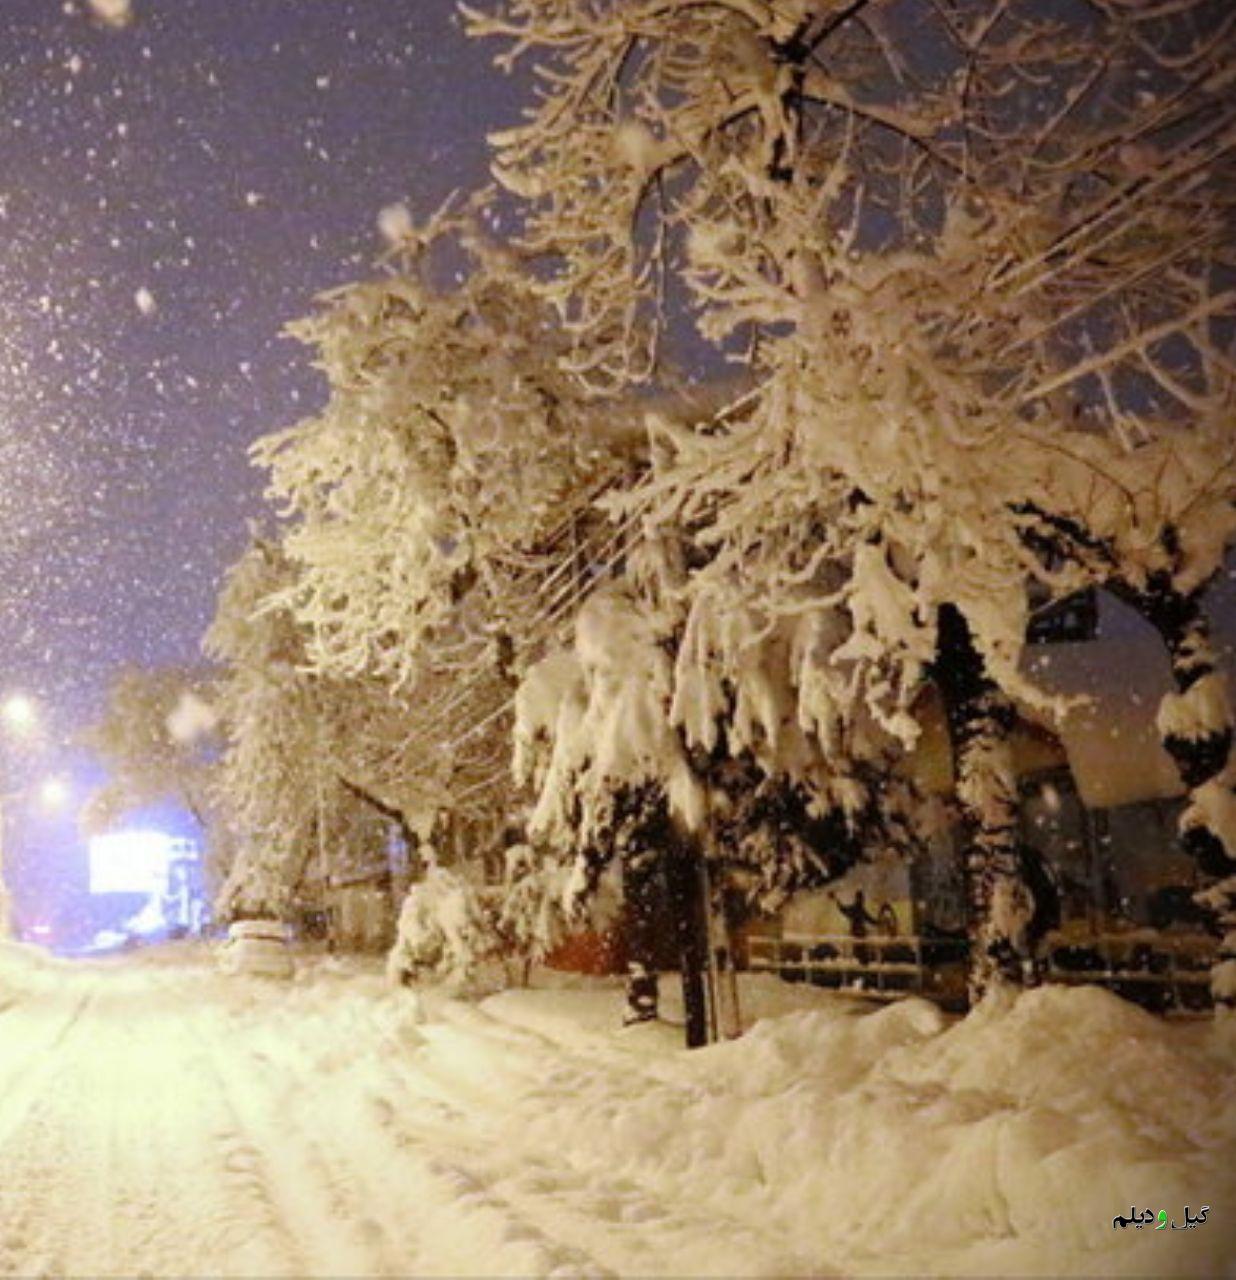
(49, 1156)
(436, 1211)
(251, 1150)
(22, 1082)
(171, 1124)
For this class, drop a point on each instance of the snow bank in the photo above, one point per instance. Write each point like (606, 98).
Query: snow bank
(1006, 1142)
(23, 970)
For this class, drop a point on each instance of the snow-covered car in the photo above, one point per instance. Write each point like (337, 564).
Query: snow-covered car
(258, 947)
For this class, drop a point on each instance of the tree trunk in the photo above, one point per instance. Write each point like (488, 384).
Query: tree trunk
(641, 885)
(725, 1021)
(980, 724)
(687, 908)
(1196, 727)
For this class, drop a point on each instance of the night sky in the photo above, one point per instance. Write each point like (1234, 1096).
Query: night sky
(229, 158)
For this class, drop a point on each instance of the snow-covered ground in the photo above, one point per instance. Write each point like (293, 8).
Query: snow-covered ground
(158, 1118)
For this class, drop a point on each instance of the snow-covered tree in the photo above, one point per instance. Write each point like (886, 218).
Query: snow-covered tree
(160, 739)
(611, 778)
(931, 232)
(647, 746)
(271, 738)
(432, 512)
(293, 811)
(446, 448)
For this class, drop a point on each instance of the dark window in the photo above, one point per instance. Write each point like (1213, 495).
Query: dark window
(1075, 617)
(937, 889)
(1055, 823)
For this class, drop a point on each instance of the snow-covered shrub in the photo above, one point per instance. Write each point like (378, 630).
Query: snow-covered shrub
(532, 914)
(445, 932)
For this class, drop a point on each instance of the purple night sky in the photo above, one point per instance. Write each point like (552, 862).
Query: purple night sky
(231, 159)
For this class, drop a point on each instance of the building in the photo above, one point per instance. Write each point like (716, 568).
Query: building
(1101, 801)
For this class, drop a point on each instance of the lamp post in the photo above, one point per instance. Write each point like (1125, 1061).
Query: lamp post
(20, 714)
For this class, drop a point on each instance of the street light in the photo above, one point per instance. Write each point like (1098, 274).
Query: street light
(19, 712)
(53, 793)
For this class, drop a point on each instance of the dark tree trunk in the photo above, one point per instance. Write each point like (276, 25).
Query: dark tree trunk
(725, 1016)
(641, 889)
(388, 811)
(687, 909)
(1195, 724)
(980, 724)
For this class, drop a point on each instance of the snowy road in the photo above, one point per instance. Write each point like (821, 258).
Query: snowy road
(159, 1119)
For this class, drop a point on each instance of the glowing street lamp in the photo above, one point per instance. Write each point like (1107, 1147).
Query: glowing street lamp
(53, 793)
(19, 713)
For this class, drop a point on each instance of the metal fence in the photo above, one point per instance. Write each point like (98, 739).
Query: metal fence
(879, 967)
(1167, 974)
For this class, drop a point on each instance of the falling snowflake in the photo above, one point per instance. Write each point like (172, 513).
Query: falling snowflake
(113, 13)
(145, 301)
(395, 223)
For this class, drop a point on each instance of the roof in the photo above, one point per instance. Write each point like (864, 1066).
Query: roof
(1109, 741)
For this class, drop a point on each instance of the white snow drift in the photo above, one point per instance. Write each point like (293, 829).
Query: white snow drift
(157, 1118)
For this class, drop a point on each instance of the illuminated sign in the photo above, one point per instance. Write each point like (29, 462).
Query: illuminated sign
(134, 861)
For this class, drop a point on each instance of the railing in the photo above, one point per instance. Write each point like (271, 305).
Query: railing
(859, 965)
(1178, 968)
(1167, 973)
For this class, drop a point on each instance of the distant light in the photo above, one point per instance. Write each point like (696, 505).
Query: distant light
(54, 793)
(19, 712)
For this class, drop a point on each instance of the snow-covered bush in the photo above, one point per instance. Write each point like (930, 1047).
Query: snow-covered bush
(445, 932)
(532, 916)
